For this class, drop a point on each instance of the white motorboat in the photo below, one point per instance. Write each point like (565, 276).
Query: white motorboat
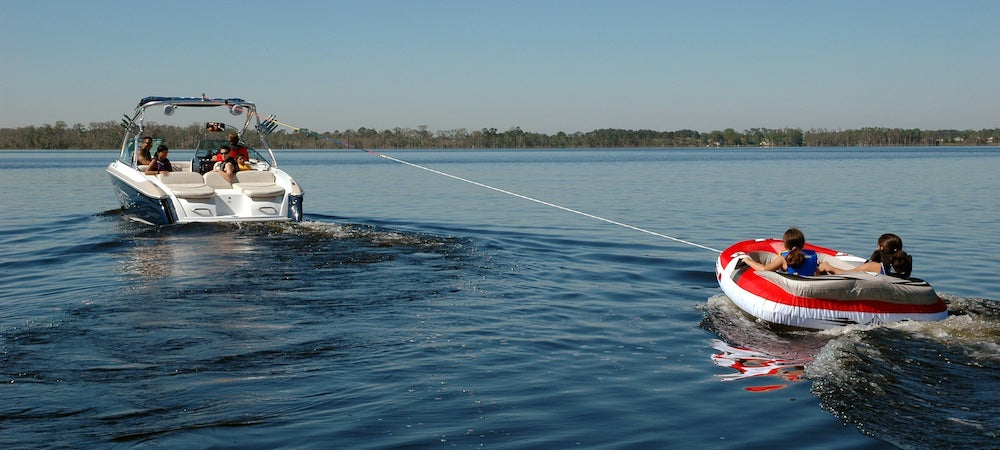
(191, 191)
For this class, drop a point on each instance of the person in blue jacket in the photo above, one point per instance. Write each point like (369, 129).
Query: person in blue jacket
(795, 259)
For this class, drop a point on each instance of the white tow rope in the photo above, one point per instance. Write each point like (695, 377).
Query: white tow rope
(553, 205)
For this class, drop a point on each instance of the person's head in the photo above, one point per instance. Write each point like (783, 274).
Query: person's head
(890, 242)
(224, 150)
(793, 238)
(240, 159)
(794, 241)
(234, 138)
(161, 151)
(890, 248)
(147, 142)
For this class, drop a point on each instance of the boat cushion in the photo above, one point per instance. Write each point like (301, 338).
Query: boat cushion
(257, 184)
(215, 180)
(254, 176)
(186, 185)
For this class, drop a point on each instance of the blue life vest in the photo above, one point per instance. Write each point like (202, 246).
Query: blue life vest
(808, 267)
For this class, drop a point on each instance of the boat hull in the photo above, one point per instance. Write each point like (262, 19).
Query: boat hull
(825, 301)
(138, 202)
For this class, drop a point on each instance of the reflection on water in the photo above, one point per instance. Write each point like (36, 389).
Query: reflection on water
(187, 252)
(750, 363)
(754, 349)
(153, 259)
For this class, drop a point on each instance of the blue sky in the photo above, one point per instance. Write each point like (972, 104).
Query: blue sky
(542, 65)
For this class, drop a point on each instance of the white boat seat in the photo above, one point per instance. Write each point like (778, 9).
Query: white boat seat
(254, 176)
(186, 185)
(215, 180)
(257, 184)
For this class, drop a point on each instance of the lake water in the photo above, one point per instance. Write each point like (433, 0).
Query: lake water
(416, 310)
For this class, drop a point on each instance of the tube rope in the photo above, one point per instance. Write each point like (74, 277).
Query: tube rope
(543, 202)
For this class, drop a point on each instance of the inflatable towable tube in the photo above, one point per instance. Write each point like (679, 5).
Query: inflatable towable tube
(822, 301)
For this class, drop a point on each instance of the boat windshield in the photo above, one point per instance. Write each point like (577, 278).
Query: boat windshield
(130, 148)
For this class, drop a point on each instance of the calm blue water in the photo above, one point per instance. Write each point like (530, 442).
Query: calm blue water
(416, 310)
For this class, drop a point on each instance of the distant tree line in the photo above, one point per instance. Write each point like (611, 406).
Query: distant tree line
(108, 135)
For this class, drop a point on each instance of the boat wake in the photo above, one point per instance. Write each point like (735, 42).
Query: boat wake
(912, 384)
(310, 229)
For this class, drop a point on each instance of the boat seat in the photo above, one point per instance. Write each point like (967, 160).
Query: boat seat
(254, 176)
(186, 185)
(216, 181)
(257, 184)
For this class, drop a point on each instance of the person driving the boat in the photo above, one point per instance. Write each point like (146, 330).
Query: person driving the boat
(795, 259)
(228, 167)
(234, 143)
(888, 259)
(160, 164)
(143, 157)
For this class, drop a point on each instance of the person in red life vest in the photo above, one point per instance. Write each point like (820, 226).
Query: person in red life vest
(234, 144)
